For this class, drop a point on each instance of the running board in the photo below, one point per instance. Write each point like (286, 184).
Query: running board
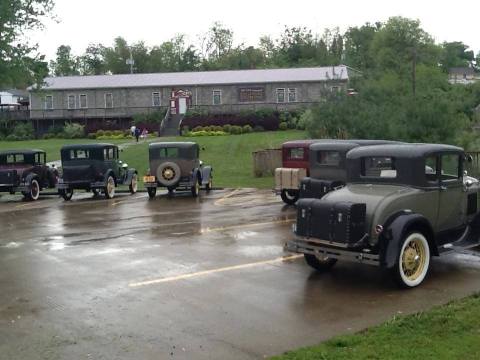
(468, 240)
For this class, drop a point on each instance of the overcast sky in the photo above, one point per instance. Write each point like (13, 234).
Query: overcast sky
(100, 21)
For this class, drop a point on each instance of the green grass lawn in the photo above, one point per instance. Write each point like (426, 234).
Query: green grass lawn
(230, 156)
(448, 332)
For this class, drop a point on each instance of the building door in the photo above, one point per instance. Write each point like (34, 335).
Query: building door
(182, 105)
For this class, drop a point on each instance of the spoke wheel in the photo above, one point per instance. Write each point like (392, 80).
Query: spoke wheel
(67, 194)
(289, 197)
(152, 191)
(34, 192)
(413, 261)
(195, 189)
(133, 187)
(209, 186)
(110, 188)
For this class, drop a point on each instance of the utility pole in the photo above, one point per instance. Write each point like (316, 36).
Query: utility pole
(130, 61)
(414, 72)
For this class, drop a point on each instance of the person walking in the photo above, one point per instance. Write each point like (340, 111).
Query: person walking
(137, 133)
(132, 130)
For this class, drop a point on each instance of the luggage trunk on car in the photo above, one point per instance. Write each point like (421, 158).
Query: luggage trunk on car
(79, 173)
(338, 222)
(8, 177)
(314, 188)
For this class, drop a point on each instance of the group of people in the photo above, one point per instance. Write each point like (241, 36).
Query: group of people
(135, 131)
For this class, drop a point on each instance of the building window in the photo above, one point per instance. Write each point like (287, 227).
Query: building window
(49, 102)
(335, 89)
(251, 94)
(108, 101)
(292, 95)
(83, 101)
(280, 95)
(156, 99)
(71, 102)
(217, 97)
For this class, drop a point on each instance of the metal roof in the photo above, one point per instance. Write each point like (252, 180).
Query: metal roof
(21, 151)
(310, 74)
(401, 150)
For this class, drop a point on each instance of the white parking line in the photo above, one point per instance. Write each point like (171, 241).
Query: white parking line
(214, 271)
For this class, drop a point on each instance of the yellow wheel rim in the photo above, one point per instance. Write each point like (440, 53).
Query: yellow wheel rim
(414, 259)
(168, 173)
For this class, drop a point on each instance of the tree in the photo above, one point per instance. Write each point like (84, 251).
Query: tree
(65, 64)
(358, 42)
(116, 57)
(17, 57)
(217, 42)
(93, 61)
(455, 54)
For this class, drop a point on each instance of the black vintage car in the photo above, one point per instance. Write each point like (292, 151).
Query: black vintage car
(176, 165)
(95, 168)
(401, 205)
(26, 171)
(328, 165)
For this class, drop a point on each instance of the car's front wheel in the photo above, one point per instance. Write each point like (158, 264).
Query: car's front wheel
(110, 188)
(289, 197)
(133, 187)
(413, 261)
(209, 186)
(34, 192)
(152, 191)
(320, 263)
(66, 194)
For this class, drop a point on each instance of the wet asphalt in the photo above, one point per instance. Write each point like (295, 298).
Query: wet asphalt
(184, 278)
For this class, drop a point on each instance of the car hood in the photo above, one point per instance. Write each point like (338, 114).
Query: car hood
(370, 194)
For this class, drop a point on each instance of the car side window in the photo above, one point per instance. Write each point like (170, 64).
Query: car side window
(431, 172)
(450, 167)
(296, 153)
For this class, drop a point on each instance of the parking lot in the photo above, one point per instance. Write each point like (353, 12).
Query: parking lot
(184, 278)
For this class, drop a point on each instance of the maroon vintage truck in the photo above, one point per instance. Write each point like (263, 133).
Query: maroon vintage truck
(26, 171)
(295, 166)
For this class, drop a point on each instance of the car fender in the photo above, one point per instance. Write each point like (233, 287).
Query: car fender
(394, 231)
(108, 173)
(197, 174)
(129, 176)
(30, 177)
(206, 174)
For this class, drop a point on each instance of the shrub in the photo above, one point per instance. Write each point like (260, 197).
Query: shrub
(247, 129)
(258, 128)
(227, 128)
(236, 130)
(91, 136)
(73, 131)
(207, 133)
(197, 128)
(100, 133)
(283, 126)
(21, 131)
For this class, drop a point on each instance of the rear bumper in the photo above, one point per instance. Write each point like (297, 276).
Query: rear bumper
(303, 246)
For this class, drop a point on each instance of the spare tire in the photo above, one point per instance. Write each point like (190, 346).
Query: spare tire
(168, 174)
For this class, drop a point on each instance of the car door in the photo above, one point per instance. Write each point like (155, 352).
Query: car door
(452, 209)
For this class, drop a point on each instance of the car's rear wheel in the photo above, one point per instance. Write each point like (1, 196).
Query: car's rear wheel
(95, 192)
(34, 192)
(133, 187)
(66, 194)
(110, 188)
(171, 190)
(152, 191)
(413, 261)
(289, 197)
(320, 263)
(195, 189)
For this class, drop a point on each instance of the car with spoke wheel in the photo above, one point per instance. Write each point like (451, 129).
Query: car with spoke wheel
(95, 168)
(402, 204)
(26, 171)
(176, 166)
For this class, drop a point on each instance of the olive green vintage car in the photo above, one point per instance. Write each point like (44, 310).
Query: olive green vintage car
(402, 204)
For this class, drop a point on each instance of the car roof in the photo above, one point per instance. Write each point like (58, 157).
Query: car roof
(303, 143)
(87, 146)
(348, 144)
(177, 144)
(21, 151)
(401, 150)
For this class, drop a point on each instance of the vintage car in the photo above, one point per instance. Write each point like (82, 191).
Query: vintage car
(295, 167)
(94, 168)
(402, 204)
(176, 165)
(26, 171)
(327, 165)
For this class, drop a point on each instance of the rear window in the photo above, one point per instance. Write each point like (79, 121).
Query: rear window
(15, 159)
(169, 153)
(296, 153)
(328, 158)
(79, 154)
(379, 167)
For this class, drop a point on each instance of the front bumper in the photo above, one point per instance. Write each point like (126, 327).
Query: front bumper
(304, 246)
